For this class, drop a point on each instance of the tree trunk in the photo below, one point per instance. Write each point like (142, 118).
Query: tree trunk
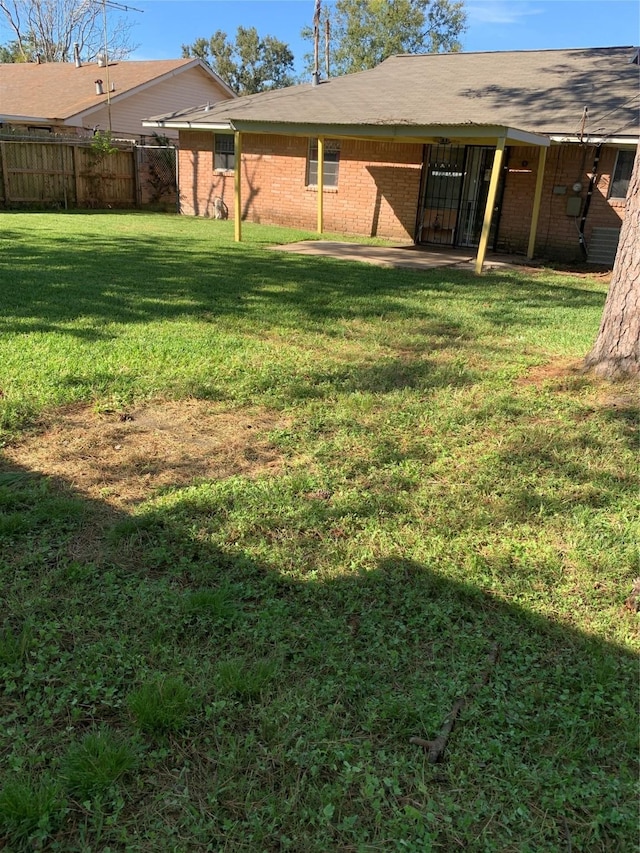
(616, 352)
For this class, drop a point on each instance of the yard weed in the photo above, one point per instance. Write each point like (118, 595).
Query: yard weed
(94, 764)
(162, 705)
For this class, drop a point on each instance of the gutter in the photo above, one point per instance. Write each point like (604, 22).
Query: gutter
(31, 119)
(189, 125)
(630, 141)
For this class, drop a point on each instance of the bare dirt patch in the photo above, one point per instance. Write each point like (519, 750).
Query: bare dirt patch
(619, 398)
(557, 371)
(123, 458)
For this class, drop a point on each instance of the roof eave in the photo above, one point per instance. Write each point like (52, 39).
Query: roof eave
(392, 132)
(625, 140)
(30, 119)
(187, 125)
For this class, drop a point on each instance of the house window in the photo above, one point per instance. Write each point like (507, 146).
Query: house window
(622, 174)
(224, 155)
(331, 163)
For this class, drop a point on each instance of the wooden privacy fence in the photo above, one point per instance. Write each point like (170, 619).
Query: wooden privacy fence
(65, 174)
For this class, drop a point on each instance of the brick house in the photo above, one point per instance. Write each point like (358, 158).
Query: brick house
(74, 98)
(519, 151)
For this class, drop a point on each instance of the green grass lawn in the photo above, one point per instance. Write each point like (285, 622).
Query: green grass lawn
(238, 664)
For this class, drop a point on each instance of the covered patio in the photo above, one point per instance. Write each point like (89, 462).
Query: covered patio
(471, 134)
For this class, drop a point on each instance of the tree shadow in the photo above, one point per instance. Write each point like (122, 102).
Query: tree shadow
(75, 284)
(616, 111)
(365, 658)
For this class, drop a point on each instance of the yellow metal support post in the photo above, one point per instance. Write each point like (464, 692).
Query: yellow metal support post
(491, 201)
(320, 184)
(542, 159)
(237, 184)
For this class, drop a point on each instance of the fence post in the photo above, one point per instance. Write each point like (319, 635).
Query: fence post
(76, 176)
(137, 185)
(5, 173)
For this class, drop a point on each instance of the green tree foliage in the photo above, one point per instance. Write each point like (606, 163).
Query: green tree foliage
(365, 32)
(249, 64)
(12, 52)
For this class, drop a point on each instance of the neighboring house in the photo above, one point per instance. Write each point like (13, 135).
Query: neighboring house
(522, 151)
(68, 98)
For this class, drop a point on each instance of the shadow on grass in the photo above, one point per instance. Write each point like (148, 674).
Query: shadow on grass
(76, 283)
(360, 661)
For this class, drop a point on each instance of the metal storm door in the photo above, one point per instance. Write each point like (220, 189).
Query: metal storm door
(475, 190)
(455, 195)
(444, 179)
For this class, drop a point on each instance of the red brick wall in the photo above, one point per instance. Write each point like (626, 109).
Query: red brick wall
(557, 235)
(377, 192)
(378, 188)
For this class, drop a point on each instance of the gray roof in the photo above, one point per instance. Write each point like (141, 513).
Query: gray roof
(542, 91)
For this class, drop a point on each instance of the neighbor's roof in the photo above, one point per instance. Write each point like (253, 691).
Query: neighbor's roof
(59, 90)
(542, 92)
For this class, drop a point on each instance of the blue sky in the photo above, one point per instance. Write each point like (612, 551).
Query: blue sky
(164, 25)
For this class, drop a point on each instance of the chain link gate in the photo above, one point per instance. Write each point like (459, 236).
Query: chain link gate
(157, 175)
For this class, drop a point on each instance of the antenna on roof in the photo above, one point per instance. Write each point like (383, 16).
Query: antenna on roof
(327, 34)
(121, 7)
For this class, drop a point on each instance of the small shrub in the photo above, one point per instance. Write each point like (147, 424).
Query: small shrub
(162, 705)
(30, 811)
(244, 680)
(94, 764)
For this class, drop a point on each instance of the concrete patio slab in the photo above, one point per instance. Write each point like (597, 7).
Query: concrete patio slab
(408, 256)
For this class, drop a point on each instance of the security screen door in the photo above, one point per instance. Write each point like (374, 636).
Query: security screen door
(456, 189)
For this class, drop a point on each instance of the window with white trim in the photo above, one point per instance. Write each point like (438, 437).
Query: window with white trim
(622, 174)
(224, 152)
(331, 163)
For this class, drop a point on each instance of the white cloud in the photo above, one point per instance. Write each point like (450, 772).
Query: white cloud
(499, 12)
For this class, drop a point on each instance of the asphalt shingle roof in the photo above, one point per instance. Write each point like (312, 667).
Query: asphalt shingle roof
(538, 91)
(59, 90)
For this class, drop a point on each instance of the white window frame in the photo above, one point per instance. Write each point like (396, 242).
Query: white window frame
(223, 160)
(331, 163)
(621, 151)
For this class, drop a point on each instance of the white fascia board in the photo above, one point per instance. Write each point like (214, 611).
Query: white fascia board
(620, 141)
(187, 125)
(525, 137)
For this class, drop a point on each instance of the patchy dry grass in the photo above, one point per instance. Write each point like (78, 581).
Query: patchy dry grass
(262, 517)
(123, 457)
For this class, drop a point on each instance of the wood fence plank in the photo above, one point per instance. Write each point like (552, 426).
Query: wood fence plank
(5, 174)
